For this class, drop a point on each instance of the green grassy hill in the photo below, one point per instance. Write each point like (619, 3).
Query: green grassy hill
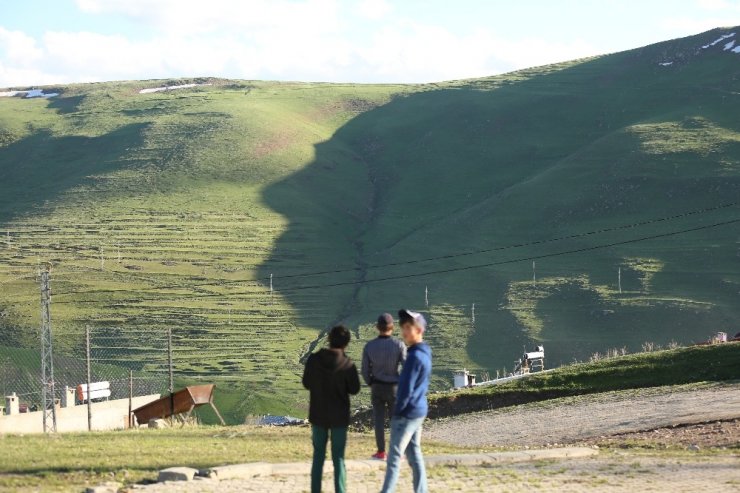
(173, 209)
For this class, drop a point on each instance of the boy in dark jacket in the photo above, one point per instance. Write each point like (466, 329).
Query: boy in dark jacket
(411, 405)
(331, 377)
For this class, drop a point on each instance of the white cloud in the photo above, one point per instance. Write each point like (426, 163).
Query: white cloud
(718, 5)
(374, 9)
(283, 39)
(400, 52)
(720, 13)
(13, 76)
(195, 16)
(680, 25)
(414, 52)
(18, 47)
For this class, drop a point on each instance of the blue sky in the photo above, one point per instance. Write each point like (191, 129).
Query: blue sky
(58, 41)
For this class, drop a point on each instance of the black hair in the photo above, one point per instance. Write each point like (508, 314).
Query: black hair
(339, 337)
(404, 317)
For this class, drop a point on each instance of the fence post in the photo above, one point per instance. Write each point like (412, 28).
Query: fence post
(130, 398)
(89, 378)
(170, 370)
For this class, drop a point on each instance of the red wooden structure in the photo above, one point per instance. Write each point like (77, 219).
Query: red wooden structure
(181, 402)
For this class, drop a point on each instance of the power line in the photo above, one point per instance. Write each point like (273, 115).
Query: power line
(512, 261)
(258, 281)
(457, 269)
(518, 245)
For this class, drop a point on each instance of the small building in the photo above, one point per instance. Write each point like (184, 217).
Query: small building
(463, 378)
(530, 361)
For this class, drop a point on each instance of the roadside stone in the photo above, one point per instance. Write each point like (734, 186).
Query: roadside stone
(109, 487)
(206, 479)
(177, 474)
(158, 424)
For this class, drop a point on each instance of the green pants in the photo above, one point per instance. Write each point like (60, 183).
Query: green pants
(320, 436)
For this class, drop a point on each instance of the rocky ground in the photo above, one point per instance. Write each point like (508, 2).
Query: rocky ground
(716, 434)
(577, 419)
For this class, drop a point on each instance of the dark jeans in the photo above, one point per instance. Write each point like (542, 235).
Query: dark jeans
(320, 436)
(384, 400)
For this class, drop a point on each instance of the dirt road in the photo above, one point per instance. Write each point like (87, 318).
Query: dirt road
(575, 419)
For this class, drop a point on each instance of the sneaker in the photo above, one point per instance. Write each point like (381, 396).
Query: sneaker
(379, 456)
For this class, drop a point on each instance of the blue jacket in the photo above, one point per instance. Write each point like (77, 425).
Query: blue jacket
(411, 399)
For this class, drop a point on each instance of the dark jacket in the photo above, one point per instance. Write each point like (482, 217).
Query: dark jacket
(331, 377)
(411, 399)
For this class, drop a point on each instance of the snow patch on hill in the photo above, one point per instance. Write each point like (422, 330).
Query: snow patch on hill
(170, 88)
(718, 40)
(31, 93)
(731, 46)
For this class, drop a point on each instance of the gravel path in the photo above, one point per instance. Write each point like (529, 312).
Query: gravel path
(616, 472)
(579, 418)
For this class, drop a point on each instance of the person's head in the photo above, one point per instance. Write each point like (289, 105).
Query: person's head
(339, 337)
(413, 326)
(385, 324)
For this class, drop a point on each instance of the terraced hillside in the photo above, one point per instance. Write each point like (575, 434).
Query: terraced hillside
(174, 209)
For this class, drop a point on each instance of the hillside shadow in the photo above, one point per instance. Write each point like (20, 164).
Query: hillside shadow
(408, 165)
(38, 169)
(426, 173)
(65, 105)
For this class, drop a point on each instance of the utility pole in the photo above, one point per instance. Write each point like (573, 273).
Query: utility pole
(102, 258)
(534, 274)
(47, 357)
(270, 284)
(89, 377)
(7, 238)
(619, 279)
(472, 314)
(119, 252)
(426, 296)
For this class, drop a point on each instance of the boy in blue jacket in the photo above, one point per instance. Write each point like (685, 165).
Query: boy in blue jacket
(411, 405)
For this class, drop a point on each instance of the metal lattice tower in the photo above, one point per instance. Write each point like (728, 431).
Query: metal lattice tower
(47, 360)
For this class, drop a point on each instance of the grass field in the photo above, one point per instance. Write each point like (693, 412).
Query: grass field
(71, 461)
(174, 209)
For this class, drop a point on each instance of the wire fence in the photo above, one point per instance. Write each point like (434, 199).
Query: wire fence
(119, 363)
